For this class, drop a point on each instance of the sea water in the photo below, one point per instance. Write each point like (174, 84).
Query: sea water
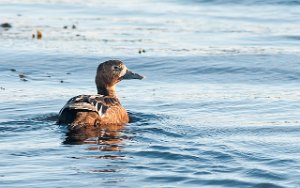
(219, 106)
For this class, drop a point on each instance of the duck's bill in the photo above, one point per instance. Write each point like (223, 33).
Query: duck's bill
(131, 75)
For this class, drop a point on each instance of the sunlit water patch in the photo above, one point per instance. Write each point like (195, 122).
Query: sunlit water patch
(171, 27)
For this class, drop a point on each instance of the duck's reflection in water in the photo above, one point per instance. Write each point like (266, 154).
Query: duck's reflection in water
(107, 137)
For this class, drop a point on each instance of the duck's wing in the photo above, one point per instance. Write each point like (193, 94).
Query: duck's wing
(94, 103)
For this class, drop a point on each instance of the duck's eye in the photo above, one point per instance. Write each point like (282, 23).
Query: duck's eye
(117, 68)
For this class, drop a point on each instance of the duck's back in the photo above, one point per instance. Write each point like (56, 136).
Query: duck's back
(93, 109)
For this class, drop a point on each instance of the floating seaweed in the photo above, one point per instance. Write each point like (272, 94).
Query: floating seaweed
(38, 35)
(24, 79)
(22, 75)
(142, 51)
(6, 25)
(66, 27)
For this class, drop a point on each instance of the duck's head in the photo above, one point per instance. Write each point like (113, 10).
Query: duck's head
(110, 73)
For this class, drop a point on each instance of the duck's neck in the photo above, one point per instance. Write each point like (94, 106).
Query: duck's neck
(107, 91)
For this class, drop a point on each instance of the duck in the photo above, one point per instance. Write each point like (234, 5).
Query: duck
(104, 108)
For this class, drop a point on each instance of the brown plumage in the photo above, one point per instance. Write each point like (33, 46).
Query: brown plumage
(104, 109)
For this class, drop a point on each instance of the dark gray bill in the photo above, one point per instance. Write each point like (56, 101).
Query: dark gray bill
(131, 75)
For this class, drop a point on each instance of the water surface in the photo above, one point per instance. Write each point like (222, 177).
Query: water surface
(219, 106)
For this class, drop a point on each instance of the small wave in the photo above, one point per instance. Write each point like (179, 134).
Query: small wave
(241, 68)
(292, 37)
(261, 173)
(167, 179)
(34, 127)
(247, 2)
(138, 117)
(45, 117)
(167, 155)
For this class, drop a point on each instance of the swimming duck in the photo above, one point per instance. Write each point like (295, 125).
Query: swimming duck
(103, 109)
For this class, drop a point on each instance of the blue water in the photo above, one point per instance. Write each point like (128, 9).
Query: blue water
(219, 106)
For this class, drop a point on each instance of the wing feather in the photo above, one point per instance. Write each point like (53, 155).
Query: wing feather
(95, 103)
